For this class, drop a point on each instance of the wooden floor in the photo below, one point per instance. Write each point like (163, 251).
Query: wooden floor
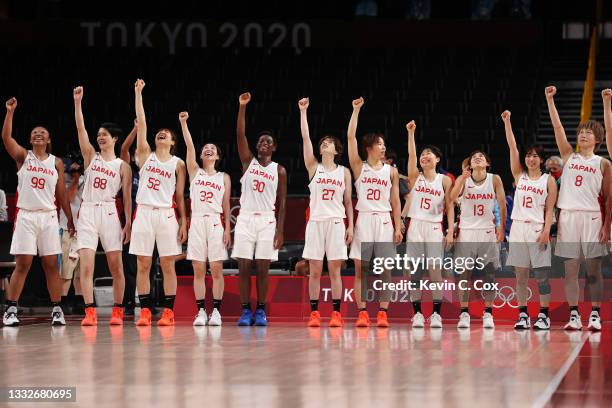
(289, 365)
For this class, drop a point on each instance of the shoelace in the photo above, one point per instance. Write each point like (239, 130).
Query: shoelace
(542, 319)
(10, 314)
(524, 319)
(57, 315)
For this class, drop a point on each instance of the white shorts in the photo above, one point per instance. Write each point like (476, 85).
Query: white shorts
(206, 238)
(524, 252)
(578, 231)
(373, 227)
(478, 243)
(36, 233)
(99, 222)
(254, 236)
(425, 238)
(69, 266)
(153, 225)
(325, 237)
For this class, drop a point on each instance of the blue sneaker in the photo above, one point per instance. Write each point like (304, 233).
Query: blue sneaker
(246, 319)
(260, 318)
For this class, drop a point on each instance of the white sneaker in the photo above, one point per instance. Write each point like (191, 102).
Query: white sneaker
(464, 321)
(201, 318)
(57, 317)
(523, 323)
(574, 323)
(594, 322)
(10, 317)
(487, 321)
(435, 321)
(215, 318)
(542, 323)
(418, 320)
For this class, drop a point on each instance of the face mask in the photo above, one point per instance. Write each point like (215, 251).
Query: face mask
(556, 174)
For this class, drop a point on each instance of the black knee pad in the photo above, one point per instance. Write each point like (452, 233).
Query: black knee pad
(489, 273)
(542, 274)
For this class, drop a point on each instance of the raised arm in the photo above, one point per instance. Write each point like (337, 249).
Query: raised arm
(447, 184)
(348, 206)
(227, 232)
(606, 168)
(515, 160)
(126, 190)
(192, 164)
(353, 149)
(565, 148)
(143, 150)
(87, 150)
(16, 151)
(281, 201)
(460, 184)
(309, 158)
(413, 170)
(243, 144)
(127, 143)
(500, 195)
(60, 194)
(180, 200)
(606, 95)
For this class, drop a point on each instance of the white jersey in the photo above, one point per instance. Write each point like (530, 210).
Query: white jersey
(259, 185)
(374, 189)
(477, 204)
(327, 194)
(427, 199)
(580, 183)
(75, 204)
(36, 183)
(102, 180)
(530, 199)
(206, 192)
(157, 182)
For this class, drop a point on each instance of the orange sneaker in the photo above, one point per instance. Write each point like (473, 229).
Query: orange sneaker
(116, 317)
(167, 318)
(315, 319)
(336, 320)
(145, 317)
(91, 317)
(363, 320)
(381, 319)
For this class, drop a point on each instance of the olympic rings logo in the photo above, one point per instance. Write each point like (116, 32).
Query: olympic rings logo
(505, 296)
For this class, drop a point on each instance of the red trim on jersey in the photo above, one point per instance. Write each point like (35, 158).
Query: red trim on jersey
(134, 215)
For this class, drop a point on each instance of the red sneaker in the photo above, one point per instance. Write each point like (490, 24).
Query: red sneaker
(363, 320)
(116, 317)
(145, 317)
(167, 318)
(315, 319)
(91, 317)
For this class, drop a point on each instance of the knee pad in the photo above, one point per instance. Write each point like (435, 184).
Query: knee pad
(489, 273)
(541, 274)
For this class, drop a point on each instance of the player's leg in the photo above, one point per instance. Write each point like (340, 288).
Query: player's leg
(199, 289)
(218, 287)
(167, 265)
(87, 259)
(335, 268)
(263, 280)
(115, 266)
(572, 293)
(315, 267)
(54, 286)
(143, 285)
(522, 293)
(595, 280)
(15, 287)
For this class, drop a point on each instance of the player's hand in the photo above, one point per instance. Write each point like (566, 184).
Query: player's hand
(278, 239)
(606, 94)
(500, 234)
(183, 116)
(348, 236)
(71, 228)
(543, 239)
(397, 235)
(467, 173)
(411, 127)
(550, 91)
(506, 116)
(126, 233)
(11, 104)
(358, 103)
(244, 98)
(227, 238)
(139, 85)
(449, 240)
(604, 234)
(303, 104)
(182, 234)
(77, 93)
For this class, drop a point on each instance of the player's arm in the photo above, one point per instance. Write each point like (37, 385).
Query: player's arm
(87, 150)
(60, 194)
(309, 158)
(353, 150)
(348, 206)
(413, 170)
(500, 195)
(606, 95)
(126, 189)
(565, 148)
(180, 200)
(73, 188)
(549, 208)
(396, 209)
(127, 143)
(244, 152)
(227, 231)
(192, 164)
(604, 233)
(447, 184)
(143, 150)
(515, 161)
(460, 184)
(281, 202)
(14, 149)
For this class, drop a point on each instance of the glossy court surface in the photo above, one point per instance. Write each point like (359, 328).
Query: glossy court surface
(289, 365)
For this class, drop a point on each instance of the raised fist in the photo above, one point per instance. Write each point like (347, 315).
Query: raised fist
(303, 103)
(466, 172)
(506, 115)
(244, 98)
(550, 91)
(606, 94)
(411, 126)
(139, 85)
(183, 116)
(358, 103)
(11, 104)
(77, 93)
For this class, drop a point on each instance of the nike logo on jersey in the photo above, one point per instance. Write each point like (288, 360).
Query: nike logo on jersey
(336, 222)
(593, 219)
(214, 225)
(436, 228)
(385, 223)
(488, 232)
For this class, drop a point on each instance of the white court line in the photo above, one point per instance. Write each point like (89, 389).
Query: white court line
(552, 386)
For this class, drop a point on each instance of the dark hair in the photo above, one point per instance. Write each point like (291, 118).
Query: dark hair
(218, 152)
(487, 158)
(390, 154)
(173, 136)
(369, 140)
(337, 144)
(596, 127)
(436, 152)
(113, 129)
(268, 133)
(539, 151)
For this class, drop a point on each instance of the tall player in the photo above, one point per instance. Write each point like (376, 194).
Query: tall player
(161, 187)
(40, 185)
(209, 233)
(330, 203)
(532, 217)
(98, 219)
(257, 232)
(478, 236)
(377, 186)
(582, 230)
(429, 197)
